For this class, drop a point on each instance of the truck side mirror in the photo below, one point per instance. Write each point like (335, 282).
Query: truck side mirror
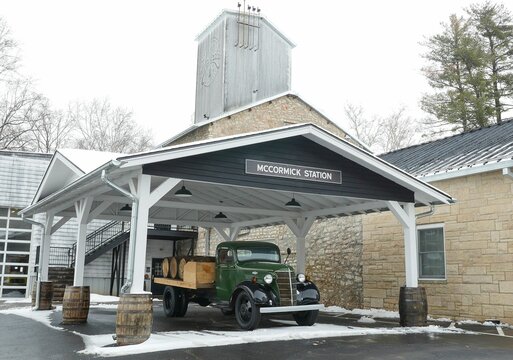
(288, 254)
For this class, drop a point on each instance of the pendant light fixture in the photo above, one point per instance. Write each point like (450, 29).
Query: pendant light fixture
(183, 192)
(220, 216)
(127, 209)
(293, 203)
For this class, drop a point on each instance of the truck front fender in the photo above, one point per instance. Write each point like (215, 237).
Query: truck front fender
(308, 293)
(260, 294)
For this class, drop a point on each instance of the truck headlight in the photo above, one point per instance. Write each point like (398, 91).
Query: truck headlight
(268, 279)
(301, 277)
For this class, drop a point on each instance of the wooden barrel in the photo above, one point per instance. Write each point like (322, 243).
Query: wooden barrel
(413, 306)
(181, 267)
(173, 267)
(75, 305)
(45, 295)
(165, 268)
(134, 319)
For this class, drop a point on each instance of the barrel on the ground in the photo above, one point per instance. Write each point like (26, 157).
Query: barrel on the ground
(413, 306)
(75, 305)
(134, 318)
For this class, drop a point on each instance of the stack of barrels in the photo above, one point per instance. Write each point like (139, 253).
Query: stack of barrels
(173, 267)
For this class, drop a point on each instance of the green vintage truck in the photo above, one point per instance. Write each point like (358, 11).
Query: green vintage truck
(246, 278)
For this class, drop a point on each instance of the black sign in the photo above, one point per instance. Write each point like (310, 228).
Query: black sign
(266, 168)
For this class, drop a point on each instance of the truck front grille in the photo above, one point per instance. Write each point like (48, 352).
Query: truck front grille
(286, 281)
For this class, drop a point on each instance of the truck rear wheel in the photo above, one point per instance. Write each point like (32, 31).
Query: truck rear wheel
(182, 303)
(306, 318)
(169, 301)
(246, 312)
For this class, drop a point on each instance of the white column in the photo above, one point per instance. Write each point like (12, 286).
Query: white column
(44, 250)
(207, 241)
(300, 255)
(406, 216)
(82, 208)
(410, 248)
(141, 235)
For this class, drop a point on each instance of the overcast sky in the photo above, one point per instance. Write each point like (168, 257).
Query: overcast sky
(142, 54)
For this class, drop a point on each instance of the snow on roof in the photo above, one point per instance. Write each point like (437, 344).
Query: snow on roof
(88, 160)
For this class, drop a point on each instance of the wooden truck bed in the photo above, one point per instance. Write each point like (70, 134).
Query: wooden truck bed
(196, 275)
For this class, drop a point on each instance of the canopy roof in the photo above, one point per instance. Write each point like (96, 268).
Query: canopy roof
(214, 171)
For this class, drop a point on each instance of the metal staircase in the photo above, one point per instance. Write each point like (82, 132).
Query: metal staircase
(103, 239)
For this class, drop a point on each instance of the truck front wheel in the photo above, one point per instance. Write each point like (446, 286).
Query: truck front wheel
(246, 312)
(306, 318)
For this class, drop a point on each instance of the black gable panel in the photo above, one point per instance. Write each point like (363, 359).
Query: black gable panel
(228, 167)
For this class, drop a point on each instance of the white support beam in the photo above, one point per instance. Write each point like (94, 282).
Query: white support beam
(257, 222)
(507, 172)
(162, 190)
(234, 232)
(207, 241)
(406, 216)
(141, 234)
(63, 220)
(98, 210)
(220, 230)
(213, 208)
(345, 209)
(44, 250)
(82, 209)
(300, 228)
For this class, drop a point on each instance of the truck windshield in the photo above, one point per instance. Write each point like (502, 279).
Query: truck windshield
(258, 254)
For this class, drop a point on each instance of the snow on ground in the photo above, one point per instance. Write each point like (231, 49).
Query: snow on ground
(366, 320)
(97, 298)
(373, 313)
(42, 316)
(101, 345)
(17, 301)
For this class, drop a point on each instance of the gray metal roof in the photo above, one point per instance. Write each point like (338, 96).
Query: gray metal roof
(488, 145)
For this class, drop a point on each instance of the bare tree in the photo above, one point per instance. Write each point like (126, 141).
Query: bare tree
(8, 52)
(51, 130)
(104, 128)
(18, 114)
(383, 134)
(366, 130)
(398, 131)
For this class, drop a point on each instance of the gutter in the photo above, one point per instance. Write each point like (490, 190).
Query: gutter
(430, 212)
(41, 250)
(133, 229)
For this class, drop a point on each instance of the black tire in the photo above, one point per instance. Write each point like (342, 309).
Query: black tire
(306, 318)
(246, 312)
(182, 303)
(169, 301)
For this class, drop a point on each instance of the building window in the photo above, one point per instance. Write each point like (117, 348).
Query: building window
(431, 247)
(14, 254)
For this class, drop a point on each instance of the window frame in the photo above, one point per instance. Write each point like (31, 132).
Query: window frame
(427, 227)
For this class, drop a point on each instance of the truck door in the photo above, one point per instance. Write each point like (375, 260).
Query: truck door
(225, 274)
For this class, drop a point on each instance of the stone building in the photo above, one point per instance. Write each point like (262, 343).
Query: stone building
(466, 249)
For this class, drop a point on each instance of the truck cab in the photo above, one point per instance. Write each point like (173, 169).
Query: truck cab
(251, 279)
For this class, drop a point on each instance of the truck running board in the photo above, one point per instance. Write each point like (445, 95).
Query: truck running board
(284, 309)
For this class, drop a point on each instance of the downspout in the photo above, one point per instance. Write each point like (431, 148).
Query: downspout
(430, 212)
(41, 249)
(133, 230)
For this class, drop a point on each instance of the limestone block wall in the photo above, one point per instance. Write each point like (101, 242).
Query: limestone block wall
(478, 245)
(333, 255)
(286, 110)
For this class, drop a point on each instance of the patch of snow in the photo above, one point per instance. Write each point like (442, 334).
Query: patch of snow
(97, 298)
(17, 301)
(103, 306)
(42, 316)
(379, 313)
(366, 320)
(101, 345)
(441, 319)
(489, 323)
(468, 322)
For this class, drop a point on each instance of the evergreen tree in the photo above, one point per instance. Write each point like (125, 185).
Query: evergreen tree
(493, 24)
